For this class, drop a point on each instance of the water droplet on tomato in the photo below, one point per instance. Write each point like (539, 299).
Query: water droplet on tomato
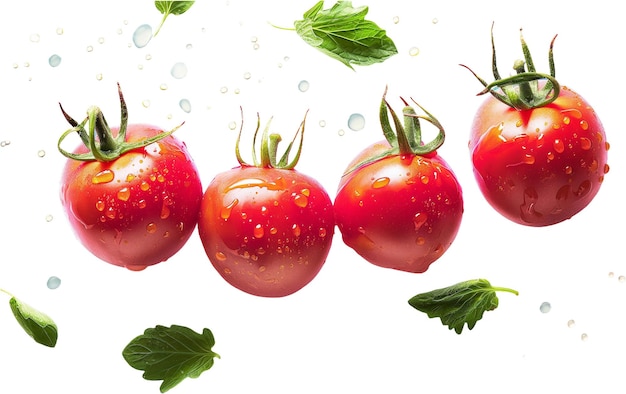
(54, 60)
(303, 86)
(584, 125)
(585, 143)
(226, 211)
(566, 120)
(227, 271)
(419, 219)
(583, 189)
(558, 145)
(262, 268)
(111, 213)
(273, 230)
(151, 228)
(568, 170)
(295, 229)
(185, 105)
(420, 241)
(545, 307)
(53, 282)
(100, 205)
(528, 159)
(356, 122)
(165, 211)
(123, 194)
(380, 183)
(142, 203)
(135, 268)
(104, 176)
(144, 186)
(258, 231)
(606, 168)
(300, 200)
(322, 232)
(424, 179)
(142, 36)
(220, 256)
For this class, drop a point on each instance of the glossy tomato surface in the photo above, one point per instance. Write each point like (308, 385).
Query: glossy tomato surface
(402, 211)
(540, 166)
(267, 231)
(139, 209)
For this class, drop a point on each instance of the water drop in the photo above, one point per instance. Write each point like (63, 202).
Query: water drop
(145, 103)
(341, 132)
(322, 123)
(53, 282)
(220, 256)
(258, 231)
(414, 51)
(49, 218)
(226, 211)
(223, 89)
(142, 36)
(179, 70)
(60, 31)
(54, 60)
(559, 147)
(148, 57)
(380, 183)
(621, 278)
(396, 20)
(99, 77)
(571, 323)
(584, 125)
(303, 86)
(585, 143)
(247, 75)
(232, 125)
(584, 337)
(300, 200)
(34, 37)
(89, 48)
(104, 176)
(101, 40)
(295, 229)
(185, 105)
(545, 307)
(41, 153)
(123, 194)
(435, 21)
(5, 143)
(419, 219)
(611, 274)
(356, 122)
(151, 228)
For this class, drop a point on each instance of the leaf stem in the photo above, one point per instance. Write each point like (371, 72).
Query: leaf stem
(7, 293)
(506, 289)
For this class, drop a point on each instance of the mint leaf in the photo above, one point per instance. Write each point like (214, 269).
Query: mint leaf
(342, 33)
(168, 8)
(36, 324)
(171, 354)
(464, 302)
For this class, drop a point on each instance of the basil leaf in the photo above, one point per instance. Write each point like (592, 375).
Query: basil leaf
(464, 302)
(171, 354)
(36, 324)
(168, 8)
(342, 33)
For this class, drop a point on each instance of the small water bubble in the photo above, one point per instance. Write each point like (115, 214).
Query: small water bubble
(611, 274)
(223, 89)
(99, 76)
(185, 105)
(5, 143)
(247, 75)
(341, 132)
(15, 65)
(435, 21)
(303, 86)
(621, 278)
(322, 123)
(145, 103)
(148, 56)
(571, 323)
(189, 46)
(140, 66)
(54, 60)
(26, 64)
(545, 307)
(255, 46)
(60, 31)
(119, 31)
(49, 218)
(232, 125)
(396, 20)
(142, 36)
(163, 86)
(53, 282)
(414, 51)
(179, 70)
(41, 153)
(34, 37)
(584, 337)
(356, 122)
(89, 48)
(254, 39)
(101, 40)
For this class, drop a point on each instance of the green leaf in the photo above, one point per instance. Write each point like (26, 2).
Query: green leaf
(464, 302)
(168, 8)
(36, 324)
(171, 354)
(342, 33)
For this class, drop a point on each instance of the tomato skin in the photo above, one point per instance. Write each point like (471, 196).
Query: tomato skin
(267, 231)
(401, 212)
(540, 166)
(139, 209)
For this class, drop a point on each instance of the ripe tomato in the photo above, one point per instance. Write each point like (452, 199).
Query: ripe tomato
(538, 149)
(267, 229)
(400, 206)
(136, 209)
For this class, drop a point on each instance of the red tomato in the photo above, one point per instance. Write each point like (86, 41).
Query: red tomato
(267, 230)
(538, 149)
(402, 210)
(539, 166)
(138, 209)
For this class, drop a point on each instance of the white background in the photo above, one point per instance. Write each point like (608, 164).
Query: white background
(351, 329)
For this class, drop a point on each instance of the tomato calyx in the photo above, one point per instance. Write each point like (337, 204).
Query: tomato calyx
(407, 137)
(99, 139)
(268, 151)
(527, 89)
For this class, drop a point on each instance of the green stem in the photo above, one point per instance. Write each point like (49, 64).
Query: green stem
(526, 92)
(506, 289)
(7, 293)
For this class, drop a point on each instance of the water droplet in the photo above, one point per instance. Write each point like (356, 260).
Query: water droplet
(89, 48)
(60, 31)
(100, 205)
(123, 194)
(303, 86)
(232, 125)
(225, 211)
(435, 21)
(568, 170)
(142, 36)
(380, 183)
(584, 337)
(144, 186)
(559, 147)
(528, 159)
(5, 143)
(322, 123)
(54, 60)
(185, 105)
(258, 231)
(295, 229)
(220, 256)
(356, 122)
(179, 70)
(223, 89)
(148, 57)
(341, 132)
(419, 219)
(41, 153)
(99, 77)
(585, 143)
(145, 103)
(584, 125)
(104, 176)
(49, 218)
(566, 120)
(414, 51)
(151, 228)
(571, 323)
(34, 37)
(545, 307)
(322, 232)
(300, 200)
(611, 274)
(53, 283)
(101, 40)
(621, 279)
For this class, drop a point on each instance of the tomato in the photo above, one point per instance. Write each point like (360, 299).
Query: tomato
(538, 149)
(136, 209)
(402, 207)
(267, 229)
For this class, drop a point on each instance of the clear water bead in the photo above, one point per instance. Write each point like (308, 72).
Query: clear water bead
(53, 282)
(545, 307)
(142, 36)
(54, 60)
(356, 122)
